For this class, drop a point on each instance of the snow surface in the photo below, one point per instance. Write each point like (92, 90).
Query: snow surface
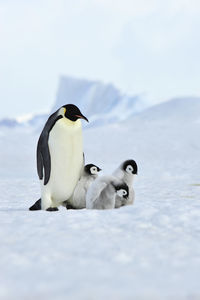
(147, 251)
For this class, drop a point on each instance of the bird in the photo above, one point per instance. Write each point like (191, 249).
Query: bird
(78, 199)
(102, 192)
(126, 172)
(60, 158)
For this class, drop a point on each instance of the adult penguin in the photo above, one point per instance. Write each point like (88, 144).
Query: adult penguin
(60, 157)
(78, 198)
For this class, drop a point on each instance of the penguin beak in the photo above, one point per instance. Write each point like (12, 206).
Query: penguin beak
(82, 117)
(99, 169)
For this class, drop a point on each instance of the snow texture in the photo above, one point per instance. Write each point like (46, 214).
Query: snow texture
(150, 250)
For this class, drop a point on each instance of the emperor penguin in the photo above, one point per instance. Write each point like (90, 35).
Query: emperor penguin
(126, 172)
(78, 199)
(60, 158)
(102, 192)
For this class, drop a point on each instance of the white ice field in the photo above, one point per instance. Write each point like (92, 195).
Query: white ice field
(147, 251)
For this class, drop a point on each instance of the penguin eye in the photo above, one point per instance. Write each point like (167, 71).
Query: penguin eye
(124, 192)
(93, 170)
(129, 169)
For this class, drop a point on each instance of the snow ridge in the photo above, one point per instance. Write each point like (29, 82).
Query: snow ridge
(101, 103)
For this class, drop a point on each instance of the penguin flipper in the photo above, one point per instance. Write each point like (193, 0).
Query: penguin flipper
(94, 191)
(36, 205)
(43, 154)
(39, 163)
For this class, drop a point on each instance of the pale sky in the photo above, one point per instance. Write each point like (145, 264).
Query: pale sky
(147, 47)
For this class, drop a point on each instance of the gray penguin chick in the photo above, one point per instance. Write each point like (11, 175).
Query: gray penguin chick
(126, 172)
(102, 192)
(78, 199)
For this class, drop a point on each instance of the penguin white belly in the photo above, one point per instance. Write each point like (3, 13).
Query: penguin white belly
(66, 152)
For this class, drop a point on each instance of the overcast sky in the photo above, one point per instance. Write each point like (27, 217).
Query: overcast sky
(148, 47)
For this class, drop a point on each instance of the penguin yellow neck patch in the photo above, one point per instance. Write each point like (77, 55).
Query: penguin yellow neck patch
(65, 121)
(62, 111)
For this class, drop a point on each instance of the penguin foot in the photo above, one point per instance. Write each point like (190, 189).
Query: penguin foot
(69, 206)
(36, 205)
(52, 209)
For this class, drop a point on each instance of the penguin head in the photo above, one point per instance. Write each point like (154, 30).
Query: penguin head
(91, 169)
(121, 189)
(130, 167)
(71, 112)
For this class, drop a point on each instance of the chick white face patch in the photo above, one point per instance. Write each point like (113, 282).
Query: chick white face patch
(93, 170)
(122, 193)
(129, 169)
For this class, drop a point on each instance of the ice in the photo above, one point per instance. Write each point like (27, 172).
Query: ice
(147, 251)
(100, 102)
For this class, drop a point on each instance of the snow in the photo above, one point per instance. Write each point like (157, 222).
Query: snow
(8, 122)
(150, 250)
(101, 102)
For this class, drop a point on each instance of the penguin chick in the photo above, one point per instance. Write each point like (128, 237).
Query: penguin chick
(102, 192)
(78, 199)
(126, 172)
